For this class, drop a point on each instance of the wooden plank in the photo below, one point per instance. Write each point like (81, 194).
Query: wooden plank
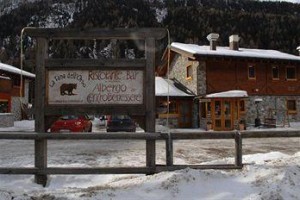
(161, 168)
(270, 134)
(238, 150)
(150, 102)
(18, 136)
(93, 64)
(138, 110)
(96, 170)
(100, 136)
(118, 33)
(19, 170)
(169, 151)
(200, 135)
(79, 136)
(40, 145)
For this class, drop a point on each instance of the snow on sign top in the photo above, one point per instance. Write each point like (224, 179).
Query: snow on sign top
(242, 52)
(14, 70)
(228, 94)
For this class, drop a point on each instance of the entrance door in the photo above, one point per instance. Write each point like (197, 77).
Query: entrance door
(185, 114)
(222, 115)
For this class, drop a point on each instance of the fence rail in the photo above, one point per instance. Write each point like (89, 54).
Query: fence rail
(168, 137)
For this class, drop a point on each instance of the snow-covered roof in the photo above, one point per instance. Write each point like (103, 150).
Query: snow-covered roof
(4, 77)
(228, 94)
(161, 88)
(14, 70)
(225, 51)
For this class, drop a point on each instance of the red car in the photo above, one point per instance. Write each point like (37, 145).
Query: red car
(72, 123)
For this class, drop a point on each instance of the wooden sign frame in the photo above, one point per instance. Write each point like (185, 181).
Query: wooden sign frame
(44, 111)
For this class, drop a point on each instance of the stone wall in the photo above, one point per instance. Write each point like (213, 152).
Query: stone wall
(6, 120)
(16, 107)
(271, 105)
(201, 80)
(178, 70)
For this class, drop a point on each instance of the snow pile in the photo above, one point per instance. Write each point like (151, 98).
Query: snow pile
(268, 176)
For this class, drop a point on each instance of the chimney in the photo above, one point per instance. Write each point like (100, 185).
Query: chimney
(234, 42)
(298, 49)
(212, 38)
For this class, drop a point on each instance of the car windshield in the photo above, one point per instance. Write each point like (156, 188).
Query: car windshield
(69, 117)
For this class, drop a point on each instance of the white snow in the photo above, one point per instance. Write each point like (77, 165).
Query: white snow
(165, 87)
(12, 69)
(290, 1)
(228, 94)
(225, 51)
(268, 175)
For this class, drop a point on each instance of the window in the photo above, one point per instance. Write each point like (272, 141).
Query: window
(251, 72)
(290, 73)
(242, 106)
(189, 72)
(3, 106)
(205, 109)
(291, 106)
(275, 73)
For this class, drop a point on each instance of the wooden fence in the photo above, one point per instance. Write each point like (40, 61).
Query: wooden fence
(168, 137)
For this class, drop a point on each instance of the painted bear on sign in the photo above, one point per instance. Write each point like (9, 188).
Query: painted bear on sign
(67, 89)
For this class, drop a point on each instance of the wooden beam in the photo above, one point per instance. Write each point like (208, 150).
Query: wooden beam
(40, 145)
(79, 136)
(138, 110)
(77, 34)
(90, 64)
(150, 102)
(161, 168)
(169, 151)
(18, 170)
(270, 134)
(97, 170)
(200, 135)
(238, 150)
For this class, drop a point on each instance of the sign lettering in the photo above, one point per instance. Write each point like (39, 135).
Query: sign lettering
(95, 87)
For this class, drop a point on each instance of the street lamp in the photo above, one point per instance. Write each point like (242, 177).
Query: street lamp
(257, 119)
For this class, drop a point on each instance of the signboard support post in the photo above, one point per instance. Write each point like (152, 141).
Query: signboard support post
(150, 103)
(40, 146)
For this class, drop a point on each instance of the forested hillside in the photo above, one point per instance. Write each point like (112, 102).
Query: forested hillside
(266, 25)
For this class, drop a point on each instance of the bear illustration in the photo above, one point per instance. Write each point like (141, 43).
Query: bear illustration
(67, 89)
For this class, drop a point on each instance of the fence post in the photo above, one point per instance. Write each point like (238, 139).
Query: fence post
(238, 149)
(169, 150)
(40, 146)
(150, 103)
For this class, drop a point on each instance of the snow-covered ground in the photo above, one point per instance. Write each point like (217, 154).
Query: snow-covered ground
(271, 171)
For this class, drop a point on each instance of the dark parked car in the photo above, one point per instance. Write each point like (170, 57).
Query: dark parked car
(72, 123)
(117, 123)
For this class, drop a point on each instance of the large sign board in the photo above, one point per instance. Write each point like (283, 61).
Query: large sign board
(95, 87)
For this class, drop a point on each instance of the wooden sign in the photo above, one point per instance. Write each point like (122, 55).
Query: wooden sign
(95, 87)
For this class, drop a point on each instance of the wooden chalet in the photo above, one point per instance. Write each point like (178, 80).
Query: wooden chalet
(171, 94)
(269, 75)
(12, 96)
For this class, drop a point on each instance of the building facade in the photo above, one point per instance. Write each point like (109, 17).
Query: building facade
(270, 78)
(15, 92)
